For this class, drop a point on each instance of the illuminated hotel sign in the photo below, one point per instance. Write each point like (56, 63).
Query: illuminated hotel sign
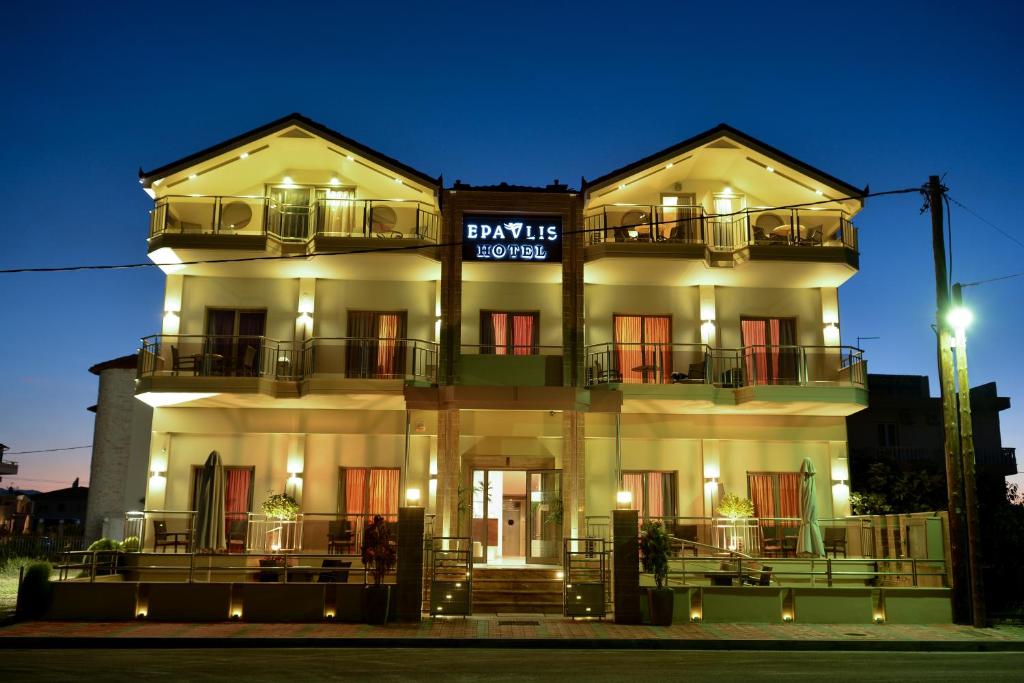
(536, 239)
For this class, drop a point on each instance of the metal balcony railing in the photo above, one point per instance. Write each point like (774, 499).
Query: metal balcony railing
(241, 356)
(756, 226)
(667, 363)
(253, 215)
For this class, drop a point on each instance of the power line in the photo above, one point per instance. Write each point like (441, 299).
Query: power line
(991, 279)
(50, 450)
(413, 247)
(987, 222)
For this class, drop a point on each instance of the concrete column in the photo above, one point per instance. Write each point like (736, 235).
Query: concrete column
(305, 309)
(840, 478)
(159, 462)
(830, 316)
(172, 304)
(447, 519)
(708, 316)
(626, 566)
(712, 475)
(409, 582)
(574, 483)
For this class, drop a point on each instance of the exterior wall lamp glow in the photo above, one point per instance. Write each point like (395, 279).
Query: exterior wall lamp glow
(624, 500)
(412, 496)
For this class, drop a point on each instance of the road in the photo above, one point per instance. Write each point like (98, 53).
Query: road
(455, 664)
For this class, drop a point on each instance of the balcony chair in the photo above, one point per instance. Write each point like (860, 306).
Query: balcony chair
(771, 543)
(340, 537)
(813, 238)
(187, 363)
(237, 534)
(249, 362)
(764, 227)
(162, 538)
(835, 541)
(340, 576)
(790, 536)
(762, 578)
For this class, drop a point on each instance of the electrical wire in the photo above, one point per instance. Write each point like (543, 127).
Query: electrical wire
(987, 222)
(415, 247)
(49, 450)
(991, 279)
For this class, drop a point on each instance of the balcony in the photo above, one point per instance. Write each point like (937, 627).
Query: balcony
(510, 366)
(749, 378)
(213, 363)
(8, 467)
(690, 232)
(244, 222)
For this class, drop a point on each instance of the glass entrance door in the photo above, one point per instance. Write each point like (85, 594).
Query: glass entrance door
(544, 524)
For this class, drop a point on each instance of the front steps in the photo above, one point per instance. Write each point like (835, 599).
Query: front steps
(522, 590)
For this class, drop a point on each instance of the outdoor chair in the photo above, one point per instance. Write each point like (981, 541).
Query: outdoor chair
(789, 540)
(162, 538)
(762, 578)
(178, 363)
(771, 544)
(340, 576)
(835, 541)
(249, 362)
(237, 535)
(695, 373)
(340, 537)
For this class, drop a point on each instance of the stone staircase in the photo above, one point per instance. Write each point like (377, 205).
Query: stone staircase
(517, 590)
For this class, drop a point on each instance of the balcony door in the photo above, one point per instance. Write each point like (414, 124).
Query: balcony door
(290, 210)
(337, 215)
(769, 352)
(231, 333)
(376, 344)
(643, 348)
(509, 334)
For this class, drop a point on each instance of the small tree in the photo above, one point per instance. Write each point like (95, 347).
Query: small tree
(654, 550)
(280, 506)
(379, 552)
(734, 507)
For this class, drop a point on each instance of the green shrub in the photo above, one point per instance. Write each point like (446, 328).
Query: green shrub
(35, 594)
(104, 544)
(654, 550)
(130, 544)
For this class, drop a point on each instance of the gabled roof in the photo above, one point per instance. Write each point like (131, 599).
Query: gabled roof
(294, 119)
(722, 130)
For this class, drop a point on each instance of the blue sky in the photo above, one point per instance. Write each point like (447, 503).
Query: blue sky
(874, 93)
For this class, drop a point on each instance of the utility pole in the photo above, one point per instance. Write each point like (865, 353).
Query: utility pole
(967, 460)
(954, 481)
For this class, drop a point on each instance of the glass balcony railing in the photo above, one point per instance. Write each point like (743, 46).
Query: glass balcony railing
(652, 363)
(320, 357)
(240, 215)
(755, 226)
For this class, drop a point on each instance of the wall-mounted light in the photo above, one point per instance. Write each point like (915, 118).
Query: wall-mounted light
(412, 496)
(335, 181)
(769, 169)
(624, 500)
(536, 497)
(154, 474)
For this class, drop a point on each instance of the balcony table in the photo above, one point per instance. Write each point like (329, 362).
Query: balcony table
(803, 232)
(211, 361)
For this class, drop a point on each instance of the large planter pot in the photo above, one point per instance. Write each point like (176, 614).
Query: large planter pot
(377, 604)
(661, 602)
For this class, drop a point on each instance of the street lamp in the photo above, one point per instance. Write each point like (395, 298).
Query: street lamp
(960, 319)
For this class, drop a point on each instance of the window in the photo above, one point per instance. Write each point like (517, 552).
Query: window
(775, 494)
(368, 491)
(234, 340)
(509, 334)
(769, 354)
(643, 345)
(238, 483)
(337, 212)
(376, 345)
(679, 218)
(654, 493)
(888, 434)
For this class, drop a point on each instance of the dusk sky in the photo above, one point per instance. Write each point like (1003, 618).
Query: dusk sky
(879, 94)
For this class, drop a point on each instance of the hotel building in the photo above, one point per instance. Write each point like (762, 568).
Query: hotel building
(517, 360)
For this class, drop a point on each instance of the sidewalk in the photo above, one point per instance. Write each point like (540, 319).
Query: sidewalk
(522, 631)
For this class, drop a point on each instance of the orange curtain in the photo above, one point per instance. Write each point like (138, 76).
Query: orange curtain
(499, 324)
(657, 332)
(655, 494)
(522, 335)
(387, 361)
(628, 350)
(355, 490)
(383, 492)
(789, 494)
(754, 335)
(763, 495)
(634, 483)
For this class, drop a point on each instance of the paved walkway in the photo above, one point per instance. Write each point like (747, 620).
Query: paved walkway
(515, 631)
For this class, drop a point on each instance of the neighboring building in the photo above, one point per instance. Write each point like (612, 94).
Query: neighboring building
(656, 331)
(903, 425)
(120, 448)
(15, 511)
(8, 467)
(62, 507)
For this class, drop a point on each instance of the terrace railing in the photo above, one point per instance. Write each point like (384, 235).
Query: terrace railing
(667, 363)
(331, 217)
(370, 358)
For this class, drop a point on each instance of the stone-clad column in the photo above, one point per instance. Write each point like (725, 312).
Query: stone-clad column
(446, 521)
(572, 296)
(574, 482)
(626, 566)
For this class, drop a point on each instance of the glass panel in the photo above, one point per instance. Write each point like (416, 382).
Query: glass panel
(545, 522)
(479, 521)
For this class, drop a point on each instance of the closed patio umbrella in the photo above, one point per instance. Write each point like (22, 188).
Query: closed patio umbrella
(209, 534)
(809, 543)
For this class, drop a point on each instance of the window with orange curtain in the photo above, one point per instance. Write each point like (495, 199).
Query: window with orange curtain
(368, 491)
(654, 493)
(511, 334)
(376, 348)
(769, 354)
(643, 346)
(775, 494)
(238, 482)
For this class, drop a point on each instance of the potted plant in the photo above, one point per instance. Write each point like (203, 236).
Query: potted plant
(735, 508)
(654, 550)
(280, 506)
(380, 556)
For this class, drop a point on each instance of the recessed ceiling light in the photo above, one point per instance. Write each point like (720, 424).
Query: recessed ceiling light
(669, 165)
(243, 155)
(818, 192)
(334, 181)
(350, 157)
(398, 180)
(193, 176)
(287, 180)
(769, 169)
(622, 186)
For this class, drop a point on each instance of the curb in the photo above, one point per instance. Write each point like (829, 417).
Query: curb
(144, 642)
